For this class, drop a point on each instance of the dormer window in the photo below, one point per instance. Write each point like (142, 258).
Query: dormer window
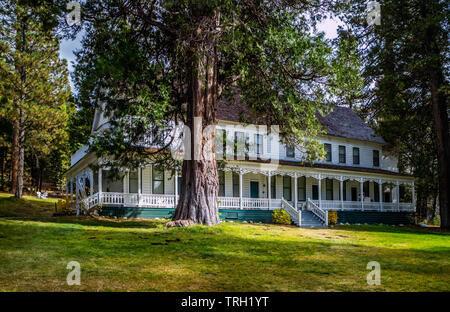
(376, 158)
(327, 148)
(290, 152)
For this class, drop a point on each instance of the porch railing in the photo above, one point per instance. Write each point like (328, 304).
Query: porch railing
(356, 205)
(296, 215)
(320, 213)
(169, 201)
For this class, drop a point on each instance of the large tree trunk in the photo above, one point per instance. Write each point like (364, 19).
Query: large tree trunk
(443, 145)
(14, 156)
(199, 185)
(21, 160)
(439, 104)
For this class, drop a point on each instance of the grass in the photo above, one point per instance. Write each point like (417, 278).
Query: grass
(129, 255)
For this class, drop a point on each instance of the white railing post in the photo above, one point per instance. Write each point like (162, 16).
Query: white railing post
(100, 187)
(361, 190)
(380, 195)
(176, 189)
(269, 189)
(240, 190)
(398, 194)
(139, 186)
(412, 197)
(295, 191)
(320, 191)
(341, 191)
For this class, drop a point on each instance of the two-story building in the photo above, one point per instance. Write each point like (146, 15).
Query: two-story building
(356, 178)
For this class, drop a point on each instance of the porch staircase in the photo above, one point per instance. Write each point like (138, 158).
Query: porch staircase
(310, 220)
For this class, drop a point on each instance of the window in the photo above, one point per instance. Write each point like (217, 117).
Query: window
(221, 183)
(179, 184)
(133, 181)
(342, 157)
(327, 148)
(269, 142)
(301, 192)
(221, 143)
(235, 184)
(290, 152)
(273, 187)
(158, 181)
(239, 142)
(376, 158)
(356, 155)
(329, 189)
(258, 144)
(287, 191)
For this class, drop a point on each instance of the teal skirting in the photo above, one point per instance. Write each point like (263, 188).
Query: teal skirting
(374, 217)
(264, 216)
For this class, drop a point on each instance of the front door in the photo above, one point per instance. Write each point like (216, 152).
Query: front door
(254, 189)
(354, 194)
(315, 192)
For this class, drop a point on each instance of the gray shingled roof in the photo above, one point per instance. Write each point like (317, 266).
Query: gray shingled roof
(341, 122)
(344, 122)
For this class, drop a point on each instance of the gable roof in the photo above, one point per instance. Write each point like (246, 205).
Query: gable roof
(341, 122)
(345, 123)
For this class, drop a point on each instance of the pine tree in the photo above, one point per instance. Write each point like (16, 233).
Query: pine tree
(33, 82)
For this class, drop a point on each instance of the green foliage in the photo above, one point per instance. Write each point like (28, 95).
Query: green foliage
(268, 51)
(34, 88)
(280, 216)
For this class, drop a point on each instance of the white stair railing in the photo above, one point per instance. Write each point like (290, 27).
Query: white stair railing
(295, 215)
(320, 213)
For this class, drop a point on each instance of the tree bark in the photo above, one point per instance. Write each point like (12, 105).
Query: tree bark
(14, 155)
(199, 184)
(443, 145)
(21, 159)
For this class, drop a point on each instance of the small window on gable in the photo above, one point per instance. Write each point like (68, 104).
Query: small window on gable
(290, 152)
(327, 148)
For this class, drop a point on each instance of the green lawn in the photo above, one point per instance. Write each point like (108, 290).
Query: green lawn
(124, 255)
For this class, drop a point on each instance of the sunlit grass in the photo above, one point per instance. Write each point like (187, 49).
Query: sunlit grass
(126, 255)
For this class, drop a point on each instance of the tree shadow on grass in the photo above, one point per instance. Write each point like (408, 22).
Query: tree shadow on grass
(410, 229)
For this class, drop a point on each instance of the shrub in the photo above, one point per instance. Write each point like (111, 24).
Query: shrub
(64, 207)
(280, 216)
(332, 217)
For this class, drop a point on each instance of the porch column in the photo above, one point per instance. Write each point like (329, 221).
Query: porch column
(71, 188)
(176, 188)
(240, 189)
(341, 192)
(76, 195)
(361, 190)
(67, 189)
(91, 182)
(320, 191)
(126, 182)
(398, 195)
(139, 184)
(100, 187)
(269, 189)
(413, 201)
(380, 193)
(295, 191)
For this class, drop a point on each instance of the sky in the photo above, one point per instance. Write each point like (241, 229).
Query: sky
(67, 47)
